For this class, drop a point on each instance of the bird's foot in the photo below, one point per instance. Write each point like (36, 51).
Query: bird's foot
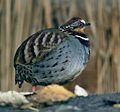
(34, 88)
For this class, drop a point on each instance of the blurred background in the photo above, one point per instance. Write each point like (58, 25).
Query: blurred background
(21, 18)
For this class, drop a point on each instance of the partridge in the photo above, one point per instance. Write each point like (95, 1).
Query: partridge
(54, 55)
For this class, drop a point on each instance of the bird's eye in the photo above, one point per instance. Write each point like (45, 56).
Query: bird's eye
(74, 25)
(81, 24)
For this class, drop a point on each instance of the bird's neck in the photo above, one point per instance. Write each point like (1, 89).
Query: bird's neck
(82, 37)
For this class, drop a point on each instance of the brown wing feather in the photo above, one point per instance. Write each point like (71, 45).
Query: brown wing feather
(36, 46)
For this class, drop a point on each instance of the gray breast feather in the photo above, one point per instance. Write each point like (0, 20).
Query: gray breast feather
(61, 64)
(55, 64)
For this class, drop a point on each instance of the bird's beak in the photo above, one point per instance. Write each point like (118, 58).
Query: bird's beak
(87, 24)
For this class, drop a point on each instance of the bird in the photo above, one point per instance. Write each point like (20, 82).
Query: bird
(53, 55)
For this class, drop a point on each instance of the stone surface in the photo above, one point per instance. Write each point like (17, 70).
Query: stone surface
(91, 103)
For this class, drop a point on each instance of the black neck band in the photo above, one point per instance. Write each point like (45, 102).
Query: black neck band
(83, 41)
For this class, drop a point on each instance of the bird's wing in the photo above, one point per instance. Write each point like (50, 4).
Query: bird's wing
(37, 46)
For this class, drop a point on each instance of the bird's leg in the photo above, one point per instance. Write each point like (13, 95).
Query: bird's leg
(34, 88)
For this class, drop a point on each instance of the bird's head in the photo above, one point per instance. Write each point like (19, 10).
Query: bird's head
(75, 24)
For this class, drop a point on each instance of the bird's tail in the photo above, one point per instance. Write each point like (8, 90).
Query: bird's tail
(18, 76)
(21, 74)
(19, 81)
